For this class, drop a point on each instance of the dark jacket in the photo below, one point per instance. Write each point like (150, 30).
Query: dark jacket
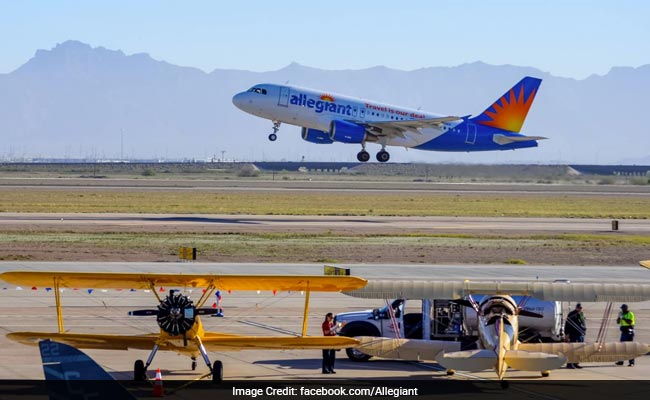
(575, 324)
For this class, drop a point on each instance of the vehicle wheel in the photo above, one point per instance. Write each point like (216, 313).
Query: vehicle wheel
(273, 137)
(217, 372)
(356, 355)
(546, 374)
(383, 156)
(450, 372)
(363, 156)
(193, 365)
(139, 371)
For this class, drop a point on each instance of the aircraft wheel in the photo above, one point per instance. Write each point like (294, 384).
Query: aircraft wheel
(450, 372)
(139, 371)
(363, 156)
(217, 372)
(383, 156)
(546, 374)
(504, 384)
(273, 137)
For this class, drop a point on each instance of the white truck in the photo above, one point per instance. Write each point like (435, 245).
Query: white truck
(448, 321)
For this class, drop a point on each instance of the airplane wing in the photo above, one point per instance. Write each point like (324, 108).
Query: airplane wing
(108, 280)
(590, 352)
(397, 128)
(212, 341)
(217, 342)
(645, 263)
(552, 291)
(88, 341)
(405, 349)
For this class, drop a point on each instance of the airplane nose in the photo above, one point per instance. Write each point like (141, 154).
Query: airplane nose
(238, 100)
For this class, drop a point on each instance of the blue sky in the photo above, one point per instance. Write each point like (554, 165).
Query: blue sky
(566, 38)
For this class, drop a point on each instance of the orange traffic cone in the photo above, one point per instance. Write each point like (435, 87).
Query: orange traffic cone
(157, 385)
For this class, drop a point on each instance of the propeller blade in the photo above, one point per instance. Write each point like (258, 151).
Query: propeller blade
(524, 313)
(143, 313)
(206, 311)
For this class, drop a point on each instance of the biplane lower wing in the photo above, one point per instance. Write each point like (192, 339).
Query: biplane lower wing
(277, 342)
(87, 340)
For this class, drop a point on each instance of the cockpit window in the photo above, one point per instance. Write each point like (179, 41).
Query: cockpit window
(257, 90)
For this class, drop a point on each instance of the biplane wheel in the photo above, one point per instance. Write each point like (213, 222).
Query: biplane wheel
(546, 374)
(504, 384)
(217, 372)
(450, 372)
(139, 371)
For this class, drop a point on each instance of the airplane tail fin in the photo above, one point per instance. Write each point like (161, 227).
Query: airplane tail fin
(509, 111)
(63, 363)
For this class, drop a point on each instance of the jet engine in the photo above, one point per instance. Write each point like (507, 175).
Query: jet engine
(316, 136)
(347, 132)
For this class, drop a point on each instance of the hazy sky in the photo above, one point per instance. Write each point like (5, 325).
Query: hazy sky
(566, 38)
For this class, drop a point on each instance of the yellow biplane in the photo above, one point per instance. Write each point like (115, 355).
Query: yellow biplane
(178, 317)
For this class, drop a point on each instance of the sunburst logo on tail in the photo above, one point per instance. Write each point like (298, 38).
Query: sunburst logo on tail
(327, 97)
(510, 110)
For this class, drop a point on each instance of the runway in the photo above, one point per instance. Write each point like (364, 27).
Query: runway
(313, 224)
(318, 185)
(266, 314)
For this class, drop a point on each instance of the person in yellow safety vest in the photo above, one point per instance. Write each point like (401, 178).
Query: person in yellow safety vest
(626, 321)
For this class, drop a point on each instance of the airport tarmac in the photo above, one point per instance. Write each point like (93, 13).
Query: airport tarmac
(306, 224)
(268, 314)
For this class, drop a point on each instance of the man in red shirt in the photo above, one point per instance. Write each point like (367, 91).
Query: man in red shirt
(329, 355)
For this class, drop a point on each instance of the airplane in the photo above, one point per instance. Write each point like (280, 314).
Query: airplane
(70, 373)
(178, 317)
(498, 345)
(327, 117)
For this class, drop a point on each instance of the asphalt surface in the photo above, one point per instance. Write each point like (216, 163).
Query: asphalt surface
(268, 314)
(284, 223)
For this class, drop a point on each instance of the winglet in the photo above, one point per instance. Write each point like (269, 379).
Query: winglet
(645, 264)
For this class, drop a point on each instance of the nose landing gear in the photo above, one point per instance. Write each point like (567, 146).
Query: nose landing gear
(276, 127)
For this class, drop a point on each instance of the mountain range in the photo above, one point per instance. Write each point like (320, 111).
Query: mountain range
(77, 101)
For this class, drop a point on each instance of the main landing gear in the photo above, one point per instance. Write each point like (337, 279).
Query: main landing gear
(276, 127)
(364, 156)
(216, 368)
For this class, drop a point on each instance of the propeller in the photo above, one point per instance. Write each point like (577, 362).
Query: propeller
(176, 314)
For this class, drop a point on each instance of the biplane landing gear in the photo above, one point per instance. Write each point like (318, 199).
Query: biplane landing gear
(504, 384)
(193, 363)
(217, 372)
(139, 371)
(140, 368)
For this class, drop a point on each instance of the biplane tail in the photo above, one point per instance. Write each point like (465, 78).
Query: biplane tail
(63, 363)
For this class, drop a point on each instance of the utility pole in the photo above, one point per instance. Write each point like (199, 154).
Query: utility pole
(121, 144)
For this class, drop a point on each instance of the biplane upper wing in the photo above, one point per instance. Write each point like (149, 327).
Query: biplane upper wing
(109, 280)
(212, 341)
(552, 291)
